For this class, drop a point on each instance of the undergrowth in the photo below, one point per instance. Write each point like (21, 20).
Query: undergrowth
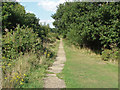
(25, 59)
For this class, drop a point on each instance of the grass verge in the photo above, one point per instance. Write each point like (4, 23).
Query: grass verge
(84, 69)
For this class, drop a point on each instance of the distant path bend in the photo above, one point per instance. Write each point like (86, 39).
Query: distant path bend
(52, 81)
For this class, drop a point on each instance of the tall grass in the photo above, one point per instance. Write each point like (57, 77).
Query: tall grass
(28, 71)
(16, 75)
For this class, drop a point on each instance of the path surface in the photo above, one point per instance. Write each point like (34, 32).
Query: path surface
(52, 81)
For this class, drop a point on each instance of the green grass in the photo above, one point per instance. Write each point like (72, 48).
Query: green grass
(84, 69)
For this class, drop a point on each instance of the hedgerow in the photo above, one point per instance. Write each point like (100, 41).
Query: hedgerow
(89, 24)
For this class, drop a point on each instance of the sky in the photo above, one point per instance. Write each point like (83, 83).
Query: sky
(43, 9)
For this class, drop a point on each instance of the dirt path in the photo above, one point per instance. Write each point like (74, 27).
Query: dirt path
(52, 81)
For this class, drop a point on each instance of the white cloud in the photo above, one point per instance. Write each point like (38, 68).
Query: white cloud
(17, 0)
(47, 21)
(48, 5)
(29, 11)
(51, 5)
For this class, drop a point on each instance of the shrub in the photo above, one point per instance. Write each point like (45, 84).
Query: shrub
(106, 54)
(112, 54)
(19, 41)
(15, 44)
(118, 55)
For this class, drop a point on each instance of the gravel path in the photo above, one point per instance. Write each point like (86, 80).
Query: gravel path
(52, 81)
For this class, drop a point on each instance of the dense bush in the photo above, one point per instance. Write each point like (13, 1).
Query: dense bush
(106, 54)
(19, 41)
(91, 24)
(94, 25)
(111, 54)
(15, 44)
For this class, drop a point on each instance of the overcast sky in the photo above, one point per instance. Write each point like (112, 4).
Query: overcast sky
(43, 9)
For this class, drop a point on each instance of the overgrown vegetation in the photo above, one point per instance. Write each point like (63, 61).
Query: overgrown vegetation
(26, 48)
(93, 25)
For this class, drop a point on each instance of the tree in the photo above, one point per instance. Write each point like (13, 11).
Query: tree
(92, 24)
(12, 14)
